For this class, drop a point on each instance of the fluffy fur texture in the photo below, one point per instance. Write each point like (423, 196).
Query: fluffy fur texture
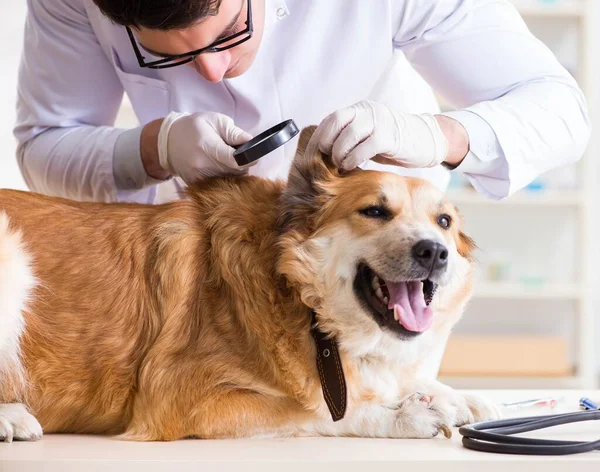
(192, 319)
(16, 282)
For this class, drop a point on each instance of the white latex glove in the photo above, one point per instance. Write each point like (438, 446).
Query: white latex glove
(368, 129)
(199, 145)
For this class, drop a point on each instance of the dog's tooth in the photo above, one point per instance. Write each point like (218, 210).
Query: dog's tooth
(385, 300)
(396, 317)
(375, 282)
(379, 293)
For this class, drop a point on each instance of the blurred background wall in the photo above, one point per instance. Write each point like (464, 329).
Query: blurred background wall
(534, 320)
(12, 17)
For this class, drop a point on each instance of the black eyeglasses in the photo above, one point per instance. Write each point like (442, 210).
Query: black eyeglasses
(180, 59)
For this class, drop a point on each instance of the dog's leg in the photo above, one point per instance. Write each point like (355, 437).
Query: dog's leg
(413, 417)
(247, 414)
(228, 414)
(427, 408)
(17, 423)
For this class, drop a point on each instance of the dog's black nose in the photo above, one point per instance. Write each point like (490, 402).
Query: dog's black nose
(430, 255)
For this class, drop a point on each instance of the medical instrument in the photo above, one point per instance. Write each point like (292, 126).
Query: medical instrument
(265, 142)
(587, 404)
(497, 436)
(536, 402)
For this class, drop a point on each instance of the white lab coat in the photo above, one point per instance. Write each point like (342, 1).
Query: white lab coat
(524, 113)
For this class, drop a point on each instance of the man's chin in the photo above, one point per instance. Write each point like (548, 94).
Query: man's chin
(235, 71)
(240, 67)
(232, 74)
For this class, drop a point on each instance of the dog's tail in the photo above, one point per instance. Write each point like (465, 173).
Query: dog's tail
(16, 285)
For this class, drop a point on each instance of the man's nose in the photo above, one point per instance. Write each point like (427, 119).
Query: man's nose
(212, 66)
(430, 254)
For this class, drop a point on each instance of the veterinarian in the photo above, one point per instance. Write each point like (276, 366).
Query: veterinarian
(205, 75)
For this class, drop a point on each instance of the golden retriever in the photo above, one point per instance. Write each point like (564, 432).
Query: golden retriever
(193, 319)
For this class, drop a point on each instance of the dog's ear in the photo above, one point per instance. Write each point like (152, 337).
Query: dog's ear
(309, 182)
(309, 161)
(305, 135)
(464, 244)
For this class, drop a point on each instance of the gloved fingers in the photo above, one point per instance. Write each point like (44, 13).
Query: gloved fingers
(222, 155)
(235, 136)
(331, 127)
(219, 170)
(229, 135)
(351, 136)
(229, 132)
(380, 159)
(364, 151)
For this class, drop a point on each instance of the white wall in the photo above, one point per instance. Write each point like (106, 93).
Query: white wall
(595, 153)
(12, 18)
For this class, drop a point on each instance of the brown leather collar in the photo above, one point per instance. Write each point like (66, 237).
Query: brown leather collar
(331, 373)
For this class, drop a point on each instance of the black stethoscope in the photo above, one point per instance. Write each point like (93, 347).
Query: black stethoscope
(497, 436)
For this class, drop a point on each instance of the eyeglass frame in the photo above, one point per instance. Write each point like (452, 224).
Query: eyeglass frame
(190, 56)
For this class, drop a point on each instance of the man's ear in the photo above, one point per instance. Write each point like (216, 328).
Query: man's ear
(308, 186)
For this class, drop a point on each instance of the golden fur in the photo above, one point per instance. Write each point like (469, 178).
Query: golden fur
(192, 319)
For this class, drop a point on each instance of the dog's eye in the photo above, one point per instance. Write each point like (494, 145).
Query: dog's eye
(375, 212)
(444, 221)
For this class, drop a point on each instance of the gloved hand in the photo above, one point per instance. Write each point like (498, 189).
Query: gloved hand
(371, 130)
(199, 145)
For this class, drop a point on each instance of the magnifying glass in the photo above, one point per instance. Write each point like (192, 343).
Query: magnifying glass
(265, 142)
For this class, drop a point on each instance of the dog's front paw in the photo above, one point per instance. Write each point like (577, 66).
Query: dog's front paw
(481, 408)
(17, 423)
(466, 408)
(421, 416)
(469, 408)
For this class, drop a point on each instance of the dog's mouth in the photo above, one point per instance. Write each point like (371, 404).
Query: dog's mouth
(402, 307)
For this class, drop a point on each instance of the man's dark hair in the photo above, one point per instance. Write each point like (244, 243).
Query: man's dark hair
(158, 14)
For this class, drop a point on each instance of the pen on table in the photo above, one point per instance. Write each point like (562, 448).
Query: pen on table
(587, 404)
(551, 402)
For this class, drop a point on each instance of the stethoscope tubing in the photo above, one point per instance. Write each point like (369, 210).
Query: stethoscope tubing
(496, 436)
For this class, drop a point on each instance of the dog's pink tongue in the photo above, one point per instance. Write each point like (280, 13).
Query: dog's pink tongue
(408, 302)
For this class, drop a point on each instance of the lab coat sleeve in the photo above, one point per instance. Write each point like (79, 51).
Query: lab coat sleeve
(522, 110)
(68, 98)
